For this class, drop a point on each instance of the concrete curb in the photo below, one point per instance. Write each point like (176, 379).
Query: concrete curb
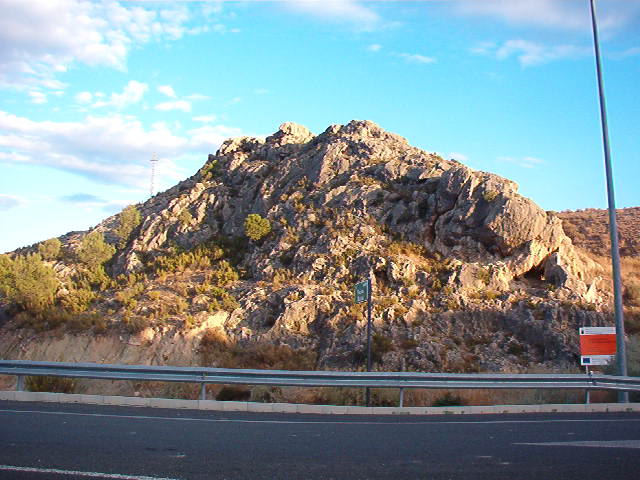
(315, 409)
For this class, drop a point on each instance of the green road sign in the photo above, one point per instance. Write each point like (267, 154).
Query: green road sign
(362, 291)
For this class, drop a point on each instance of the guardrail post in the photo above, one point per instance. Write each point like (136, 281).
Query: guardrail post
(203, 389)
(401, 397)
(20, 383)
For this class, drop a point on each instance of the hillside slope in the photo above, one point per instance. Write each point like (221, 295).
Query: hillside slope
(589, 229)
(251, 262)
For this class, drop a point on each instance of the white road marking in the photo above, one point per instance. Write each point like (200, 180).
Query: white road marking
(312, 422)
(595, 443)
(55, 471)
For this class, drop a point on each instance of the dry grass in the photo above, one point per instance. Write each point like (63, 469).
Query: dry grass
(218, 351)
(426, 398)
(589, 229)
(50, 384)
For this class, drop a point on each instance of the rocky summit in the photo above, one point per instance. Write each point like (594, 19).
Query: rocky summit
(259, 252)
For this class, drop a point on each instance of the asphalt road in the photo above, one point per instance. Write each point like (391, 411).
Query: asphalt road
(47, 441)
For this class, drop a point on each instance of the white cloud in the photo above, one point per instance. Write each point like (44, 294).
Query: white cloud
(212, 134)
(629, 52)
(374, 47)
(167, 90)
(211, 7)
(131, 94)
(84, 98)
(417, 58)
(484, 48)
(530, 53)
(563, 15)
(350, 11)
(205, 118)
(176, 105)
(82, 199)
(261, 91)
(524, 162)
(38, 97)
(113, 149)
(8, 202)
(197, 96)
(39, 39)
(89, 202)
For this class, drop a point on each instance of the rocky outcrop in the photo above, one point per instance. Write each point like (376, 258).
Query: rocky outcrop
(364, 172)
(464, 268)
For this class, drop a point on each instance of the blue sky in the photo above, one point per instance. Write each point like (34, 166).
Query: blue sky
(90, 90)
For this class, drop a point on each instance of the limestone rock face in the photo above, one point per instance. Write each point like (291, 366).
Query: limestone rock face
(362, 171)
(453, 253)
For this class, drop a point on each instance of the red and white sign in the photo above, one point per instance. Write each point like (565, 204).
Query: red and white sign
(597, 345)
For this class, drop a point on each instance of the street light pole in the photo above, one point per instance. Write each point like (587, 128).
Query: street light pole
(621, 357)
(368, 395)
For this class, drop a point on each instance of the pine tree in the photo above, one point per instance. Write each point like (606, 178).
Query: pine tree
(50, 249)
(34, 283)
(94, 251)
(129, 219)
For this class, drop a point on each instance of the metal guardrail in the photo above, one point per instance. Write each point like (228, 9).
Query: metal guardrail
(400, 380)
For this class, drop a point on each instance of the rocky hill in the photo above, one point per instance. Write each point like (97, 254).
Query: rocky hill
(252, 262)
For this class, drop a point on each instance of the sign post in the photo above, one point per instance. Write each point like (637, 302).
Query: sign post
(362, 293)
(597, 345)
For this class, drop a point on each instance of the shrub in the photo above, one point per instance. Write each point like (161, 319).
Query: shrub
(448, 400)
(234, 393)
(185, 218)
(356, 311)
(127, 297)
(7, 278)
(93, 251)
(6, 274)
(216, 349)
(400, 247)
(633, 359)
(256, 227)
(128, 220)
(632, 294)
(490, 195)
(50, 384)
(380, 345)
(222, 300)
(78, 300)
(210, 169)
(200, 257)
(483, 275)
(30, 283)
(134, 324)
(409, 344)
(282, 277)
(178, 306)
(85, 321)
(224, 274)
(50, 249)
(154, 295)
(268, 356)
